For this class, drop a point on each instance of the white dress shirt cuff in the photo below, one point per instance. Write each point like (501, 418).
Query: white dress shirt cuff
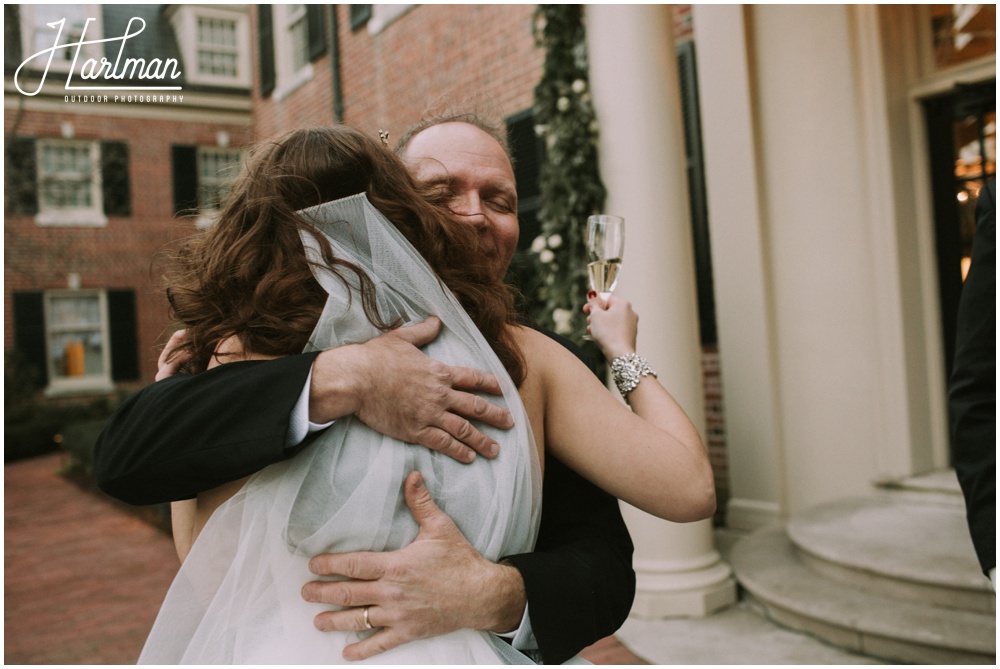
(523, 638)
(299, 425)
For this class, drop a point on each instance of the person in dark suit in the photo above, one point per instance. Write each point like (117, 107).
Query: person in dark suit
(188, 433)
(972, 398)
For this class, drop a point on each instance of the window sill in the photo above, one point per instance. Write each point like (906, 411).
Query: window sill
(239, 83)
(79, 386)
(384, 15)
(72, 219)
(294, 82)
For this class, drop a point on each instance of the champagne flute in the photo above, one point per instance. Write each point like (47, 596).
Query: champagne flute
(605, 245)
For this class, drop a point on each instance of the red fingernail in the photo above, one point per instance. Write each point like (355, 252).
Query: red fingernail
(591, 294)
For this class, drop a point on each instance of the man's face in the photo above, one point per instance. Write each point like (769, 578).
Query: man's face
(473, 171)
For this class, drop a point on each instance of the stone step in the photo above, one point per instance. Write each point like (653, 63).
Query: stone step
(772, 574)
(907, 546)
(943, 481)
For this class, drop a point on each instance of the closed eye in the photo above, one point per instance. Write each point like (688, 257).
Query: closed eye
(501, 205)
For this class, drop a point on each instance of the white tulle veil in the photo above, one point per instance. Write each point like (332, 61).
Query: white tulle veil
(236, 599)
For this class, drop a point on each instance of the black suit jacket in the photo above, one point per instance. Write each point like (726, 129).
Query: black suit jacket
(187, 434)
(972, 391)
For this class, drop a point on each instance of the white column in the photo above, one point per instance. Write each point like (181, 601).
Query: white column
(633, 74)
(743, 295)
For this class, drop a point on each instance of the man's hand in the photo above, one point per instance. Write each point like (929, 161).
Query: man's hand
(395, 389)
(168, 367)
(434, 586)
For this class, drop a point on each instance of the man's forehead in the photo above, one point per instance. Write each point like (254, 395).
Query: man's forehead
(454, 145)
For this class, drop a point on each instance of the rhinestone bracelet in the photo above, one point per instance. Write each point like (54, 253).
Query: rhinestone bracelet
(628, 370)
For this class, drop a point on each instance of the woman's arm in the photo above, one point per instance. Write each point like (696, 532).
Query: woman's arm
(182, 520)
(652, 457)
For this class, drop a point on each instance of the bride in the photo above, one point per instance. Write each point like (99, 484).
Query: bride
(325, 241)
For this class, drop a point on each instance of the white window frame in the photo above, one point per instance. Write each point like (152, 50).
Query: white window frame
(60, 385)
(208, 216)
(288, 78)
(95, 31)
(384, 15)
(184, 19)
(92, 216)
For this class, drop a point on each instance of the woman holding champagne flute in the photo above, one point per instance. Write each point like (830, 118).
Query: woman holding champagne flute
(611, 322)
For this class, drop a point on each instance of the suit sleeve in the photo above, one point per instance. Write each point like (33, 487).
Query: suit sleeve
(579, 580)
(972, 388)
(190, 433)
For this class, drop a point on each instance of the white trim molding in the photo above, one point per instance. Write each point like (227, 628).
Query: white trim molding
(184, 19)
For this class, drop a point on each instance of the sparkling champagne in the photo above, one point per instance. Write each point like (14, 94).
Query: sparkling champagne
(604, 275)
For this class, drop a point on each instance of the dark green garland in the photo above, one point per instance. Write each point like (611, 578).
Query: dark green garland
(571, 186)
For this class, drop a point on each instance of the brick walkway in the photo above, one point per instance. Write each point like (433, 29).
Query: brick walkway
(83, 579)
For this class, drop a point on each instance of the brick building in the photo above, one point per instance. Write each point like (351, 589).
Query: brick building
(98, 182)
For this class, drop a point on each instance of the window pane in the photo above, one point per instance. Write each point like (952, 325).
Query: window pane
(216, 170)
(45, 37)
(76, 353)
(962, 33)
(75, 312)
(217, 47)
(67, 194)
(67, 176)
(976, 142)
(75, 341)
(300, 43)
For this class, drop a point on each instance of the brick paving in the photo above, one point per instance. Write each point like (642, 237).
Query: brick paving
(83, 579)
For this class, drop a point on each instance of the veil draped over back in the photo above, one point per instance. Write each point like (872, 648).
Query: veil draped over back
(236, 599)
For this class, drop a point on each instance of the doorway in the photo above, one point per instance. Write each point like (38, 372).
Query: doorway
(961, 130)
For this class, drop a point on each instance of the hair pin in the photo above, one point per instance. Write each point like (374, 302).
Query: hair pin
(384, 136)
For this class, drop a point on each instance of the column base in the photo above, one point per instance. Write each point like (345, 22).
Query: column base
(750, 514)
(671, 595)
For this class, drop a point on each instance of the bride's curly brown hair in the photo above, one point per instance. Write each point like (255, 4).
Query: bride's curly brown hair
(248, 275)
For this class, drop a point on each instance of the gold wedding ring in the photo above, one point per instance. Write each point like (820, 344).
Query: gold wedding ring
(368, 623)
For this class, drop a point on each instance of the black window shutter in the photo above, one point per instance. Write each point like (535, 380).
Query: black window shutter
(528, 153)
(696, 192)
(29, 331)
(123, 340)
(11, 37)
(265, 42)
(115, 179)
(316, 28)
(185, 167)
(360, 15)
(22, 182)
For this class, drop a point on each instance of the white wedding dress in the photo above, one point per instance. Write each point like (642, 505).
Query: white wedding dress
(236, 599)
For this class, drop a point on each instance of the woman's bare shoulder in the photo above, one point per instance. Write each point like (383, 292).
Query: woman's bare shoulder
(543, 355)
(532, 342)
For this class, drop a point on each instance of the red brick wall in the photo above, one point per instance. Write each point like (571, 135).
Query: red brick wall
(431, 54)
(683, 23)
(310, 104)
(120, 254)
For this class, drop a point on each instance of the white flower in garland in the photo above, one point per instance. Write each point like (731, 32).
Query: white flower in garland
(546, 256)
(563, 321)
(555, 241)
(579, 86)
(562, 104)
